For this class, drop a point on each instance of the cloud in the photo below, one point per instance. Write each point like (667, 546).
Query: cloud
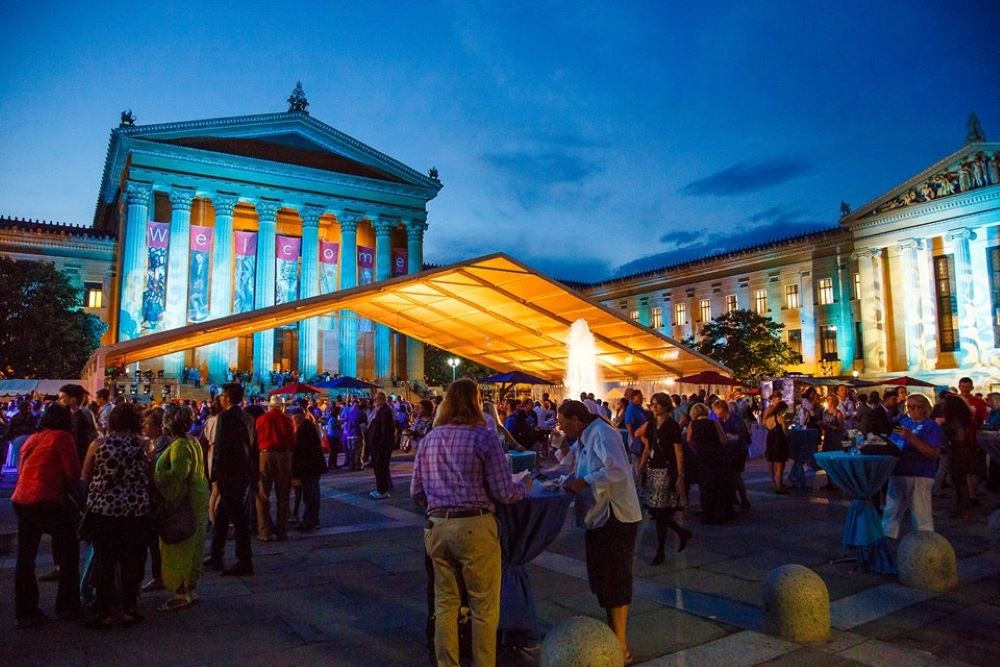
(549, 167)
(767, 226)
(747, 177)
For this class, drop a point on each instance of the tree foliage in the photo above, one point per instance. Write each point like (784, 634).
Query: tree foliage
(43, 331)
(439, 372)
(750, 345)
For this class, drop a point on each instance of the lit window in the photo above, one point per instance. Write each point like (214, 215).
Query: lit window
(680, 315)
(947, 303)
(634, 315)
(828, 342)
(825, 288)
(760, 301)
(705, 310)
(656, 318)
(732, 304)
(791, 297)
(857, 287)
(795, 342)
(95, 297)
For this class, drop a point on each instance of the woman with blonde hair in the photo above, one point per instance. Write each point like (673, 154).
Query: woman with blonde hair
(180, 478)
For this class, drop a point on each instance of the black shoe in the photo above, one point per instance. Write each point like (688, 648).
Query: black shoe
(132, 618)
(32, 620)
(239, 570)
(683, 540)
(213, 563)
(98, 623)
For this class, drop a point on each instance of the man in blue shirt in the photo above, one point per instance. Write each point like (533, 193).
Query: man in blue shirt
(635, 417)
(920, 439)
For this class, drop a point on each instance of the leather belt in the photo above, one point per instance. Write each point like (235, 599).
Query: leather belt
(456, 514)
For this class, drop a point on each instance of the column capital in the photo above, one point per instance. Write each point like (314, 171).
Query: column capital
(310, 215)
(225, 203)
(349, 221)
(867, 252)
(415, 228)
(913, 244)
(963, 234)
(181, 199)
(267, 209)
(137, 192)
(383, 225)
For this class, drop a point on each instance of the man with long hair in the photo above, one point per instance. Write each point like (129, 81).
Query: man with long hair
(459, 474)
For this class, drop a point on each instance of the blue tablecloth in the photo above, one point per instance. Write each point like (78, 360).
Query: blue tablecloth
(521, 461)
(989, 441)
(526, 529)
(802, 443)
(862, 476)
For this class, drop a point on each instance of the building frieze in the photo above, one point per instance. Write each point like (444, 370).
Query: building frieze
(927, 209)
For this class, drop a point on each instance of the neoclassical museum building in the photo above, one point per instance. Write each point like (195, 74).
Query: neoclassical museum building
(203, 219)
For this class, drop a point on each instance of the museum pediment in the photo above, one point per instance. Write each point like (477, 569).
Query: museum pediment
(975, 166)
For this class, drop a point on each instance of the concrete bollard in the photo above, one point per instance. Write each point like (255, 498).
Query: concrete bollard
(580, 641)
(926, 560)
(796, 604)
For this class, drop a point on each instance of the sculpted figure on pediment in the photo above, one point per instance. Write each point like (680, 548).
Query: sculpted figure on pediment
(927, 191)
(945, 184)
(994, 168)
(964, 177)
(978, 171)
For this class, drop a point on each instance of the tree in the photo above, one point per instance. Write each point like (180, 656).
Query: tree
(43, 331)
(439, 372)
(750, 345)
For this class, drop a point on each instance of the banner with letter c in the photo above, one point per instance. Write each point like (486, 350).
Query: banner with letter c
(286, 274)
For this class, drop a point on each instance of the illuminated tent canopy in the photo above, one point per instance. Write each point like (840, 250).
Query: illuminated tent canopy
(492, 310)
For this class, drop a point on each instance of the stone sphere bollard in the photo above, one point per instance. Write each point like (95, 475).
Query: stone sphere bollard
(580, 641)
(927, 561)
(993, 530)
(796, 604)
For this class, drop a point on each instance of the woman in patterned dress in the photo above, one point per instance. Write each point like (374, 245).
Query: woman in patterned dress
(118, 507)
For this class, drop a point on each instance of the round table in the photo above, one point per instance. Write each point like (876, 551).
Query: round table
(862, 476)
(989, 441)
(802, 443)
(526, 529)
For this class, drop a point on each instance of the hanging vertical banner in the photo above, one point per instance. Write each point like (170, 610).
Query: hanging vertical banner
(366, 276)
(201, 250)
(328, 255)
(246, 270)
(286, 274)
(398, 262)
(155, 285)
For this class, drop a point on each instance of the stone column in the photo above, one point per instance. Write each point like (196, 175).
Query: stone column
(415, 264)
(872, 308)
(221, 355)
(348, 338)
(912, 304)
(845, 315)
(309, 328)
(383, 270)
(178, 260)
(134, 259)
(807, 311)
(968, 353)
(263, 341)
(927, 324)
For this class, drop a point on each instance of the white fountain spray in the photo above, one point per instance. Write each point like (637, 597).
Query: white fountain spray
(582, 371)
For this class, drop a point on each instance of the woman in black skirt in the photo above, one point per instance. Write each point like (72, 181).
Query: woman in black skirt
(777, 451)
(663, 463)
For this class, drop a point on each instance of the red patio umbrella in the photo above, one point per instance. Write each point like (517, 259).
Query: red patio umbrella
(903, 381)
(710, 377)
(295, 388)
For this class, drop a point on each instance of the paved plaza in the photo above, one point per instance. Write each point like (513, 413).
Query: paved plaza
(353, 593)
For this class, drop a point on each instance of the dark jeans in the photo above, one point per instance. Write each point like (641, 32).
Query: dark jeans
(310, 497)
(58, 520)
(232, 509)
(155, 559)
(380, 464)
(120, 545)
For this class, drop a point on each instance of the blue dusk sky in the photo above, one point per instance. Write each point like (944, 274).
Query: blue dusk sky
(585, 138)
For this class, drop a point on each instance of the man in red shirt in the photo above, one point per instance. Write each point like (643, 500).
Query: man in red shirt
(275, 442)
(980, 411)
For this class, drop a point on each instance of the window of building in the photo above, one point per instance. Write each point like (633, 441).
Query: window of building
(859, 342)
(792, 297)
(680, 315)
(732, 303)
(857, 287)
(947, 303)
(656, 317)
(825, 289)
(634, 315)
(795, 342)
(705, 310)
(760, 301)
(993, 261)
(94, 295)
(828, 342)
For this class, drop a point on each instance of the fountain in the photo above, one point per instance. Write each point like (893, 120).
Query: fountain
(582, 371)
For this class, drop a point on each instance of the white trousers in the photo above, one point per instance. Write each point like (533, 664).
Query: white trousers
(908, 493)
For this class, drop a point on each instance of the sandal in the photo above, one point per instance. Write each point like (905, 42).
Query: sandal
(175, 603)
(132, 618)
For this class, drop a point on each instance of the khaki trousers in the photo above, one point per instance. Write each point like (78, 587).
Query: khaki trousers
(465, 551)
(275, 471)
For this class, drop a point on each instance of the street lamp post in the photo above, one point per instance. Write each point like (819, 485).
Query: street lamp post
(453, 362)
